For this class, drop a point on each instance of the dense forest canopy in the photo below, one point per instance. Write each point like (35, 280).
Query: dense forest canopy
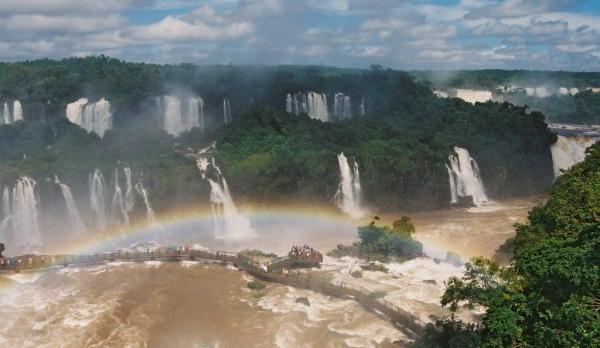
(401, 143)
(550, 295)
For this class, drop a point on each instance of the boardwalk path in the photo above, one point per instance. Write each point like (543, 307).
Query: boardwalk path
(405, 321)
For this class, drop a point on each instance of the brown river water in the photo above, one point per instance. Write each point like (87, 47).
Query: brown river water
(193, 304)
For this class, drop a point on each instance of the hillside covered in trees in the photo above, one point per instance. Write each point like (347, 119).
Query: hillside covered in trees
(550, 294)
(401, 143)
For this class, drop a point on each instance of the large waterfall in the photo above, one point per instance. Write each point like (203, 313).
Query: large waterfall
(73, 216)
(349, 194)
(93, 117)
(20, 225)
(181, 115)
(139, 187)
(11, 115)
(97, 200)
(226, 111)
(342, 106)
(228, 222)
(311, 103)
(569, 150)
(465, 178)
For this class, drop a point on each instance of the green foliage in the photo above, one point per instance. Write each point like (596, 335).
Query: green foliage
(254, 285)
(550, 295)
(385, 242)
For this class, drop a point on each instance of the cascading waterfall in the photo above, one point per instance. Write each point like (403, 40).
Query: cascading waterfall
(179, 116)
(311, 103)
(342, 106)
(97, 200)
(568, 151)
(139, 187)
(93, 117)
(228, 222)
(73, 216)
(11, 115)
(129, 200)
(349, 194)
(119, 211)
(226, 111)
(466, 178)
(24, 225)
(362, 106)
(4, 222)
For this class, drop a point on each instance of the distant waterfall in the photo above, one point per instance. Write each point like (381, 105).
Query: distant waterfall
(362, 106)
(97, 200)
(179, 116)
(342, 106)
(226, 111)
(349, 194)
(129, 200)
(11, 115)
(139, 187)
(568, 151)
(118, 208)
(20, 222)
(465, 177)
(228, 222)
(311, 103)
(73, 216)
(93, 117)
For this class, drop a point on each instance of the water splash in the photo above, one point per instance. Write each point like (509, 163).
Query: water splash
(465, 174)
(97, 201)
(93, 117)
(349, 194)
(73, 215)
(228, 222)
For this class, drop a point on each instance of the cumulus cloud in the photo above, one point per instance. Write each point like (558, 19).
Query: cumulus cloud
(402, 34)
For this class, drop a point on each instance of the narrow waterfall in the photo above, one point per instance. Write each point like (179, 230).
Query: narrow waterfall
(24, 215)
(362, 106)
(311, 103)
(226, 111)
(129, 199)
(342, 106)
(11, 115)
(97, 200)
(228, 222)
(73, 216)
(118, 209)
(93, 117)
(179, 116)
(568, 151)
(139, 187)
(349, 194)
(5, 220)
(464, 172)
(452, 182)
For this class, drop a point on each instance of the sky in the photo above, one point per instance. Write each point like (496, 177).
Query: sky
(401, 34)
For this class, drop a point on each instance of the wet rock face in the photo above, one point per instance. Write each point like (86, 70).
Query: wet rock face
(303, 300)
(1, 249)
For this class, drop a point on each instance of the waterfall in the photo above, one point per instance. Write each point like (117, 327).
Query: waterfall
(311, 103)
(227, 221)
(226, 111)
(93, 117)
(73, 216)
(24, 215)
(129, 200)
(362, 106)
(119, 211)
(464, 174)
(349, 193)
(342, 107)
(179, 116)
(5, 214)
(13, 115)
(139, 187)
(568, 151)
(97, 201)
(473, 96)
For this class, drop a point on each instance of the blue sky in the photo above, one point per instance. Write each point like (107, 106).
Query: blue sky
(403, 34)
